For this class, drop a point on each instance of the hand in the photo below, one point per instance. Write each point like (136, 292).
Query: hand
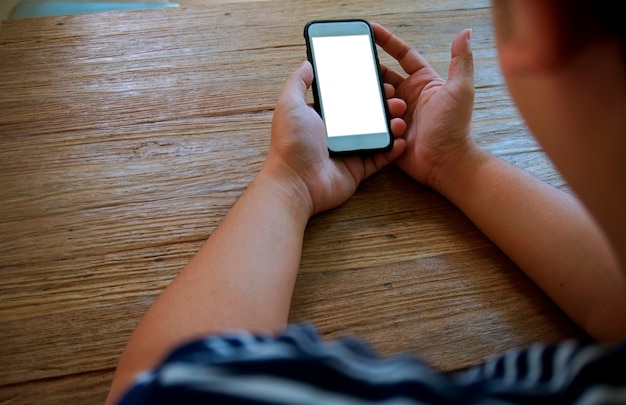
(298, 154)
(439, 112)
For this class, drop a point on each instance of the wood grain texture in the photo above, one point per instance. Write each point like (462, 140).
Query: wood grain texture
(125, 138)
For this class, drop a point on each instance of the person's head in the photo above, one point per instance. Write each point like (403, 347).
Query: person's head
(564, 62)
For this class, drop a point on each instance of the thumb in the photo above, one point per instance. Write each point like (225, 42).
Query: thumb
(461, 71)
(296, 85)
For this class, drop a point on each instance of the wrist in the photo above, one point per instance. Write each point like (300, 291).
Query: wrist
(288, 189)
(458, 170)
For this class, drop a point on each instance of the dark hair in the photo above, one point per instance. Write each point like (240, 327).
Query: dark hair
(600, 19)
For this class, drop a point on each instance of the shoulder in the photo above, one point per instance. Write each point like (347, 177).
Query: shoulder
(297, 366)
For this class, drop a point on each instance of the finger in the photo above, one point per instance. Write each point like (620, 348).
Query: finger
(397, 107)
(296, 85)
(390, 91)
(410, 60)
(390, 76)
(398, 127)
(375, 163)
(461, 71)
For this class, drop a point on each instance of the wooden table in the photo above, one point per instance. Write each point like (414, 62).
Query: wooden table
(124, 139)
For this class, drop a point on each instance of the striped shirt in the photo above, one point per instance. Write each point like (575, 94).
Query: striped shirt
(298, 367)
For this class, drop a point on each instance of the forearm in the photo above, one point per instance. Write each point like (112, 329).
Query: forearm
(547, 233)
(244, 274)
(241, 279)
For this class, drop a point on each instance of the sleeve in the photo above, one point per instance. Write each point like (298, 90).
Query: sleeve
(298, 367)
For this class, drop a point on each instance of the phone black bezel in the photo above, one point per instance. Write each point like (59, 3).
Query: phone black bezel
(349, 139)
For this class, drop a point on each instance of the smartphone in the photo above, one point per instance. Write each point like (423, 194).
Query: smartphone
(347, 88)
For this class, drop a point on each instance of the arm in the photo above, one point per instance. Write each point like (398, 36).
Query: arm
(545, 231)
(243, 276)
(548, 233)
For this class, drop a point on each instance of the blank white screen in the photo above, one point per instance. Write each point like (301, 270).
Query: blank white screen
(350, 94)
